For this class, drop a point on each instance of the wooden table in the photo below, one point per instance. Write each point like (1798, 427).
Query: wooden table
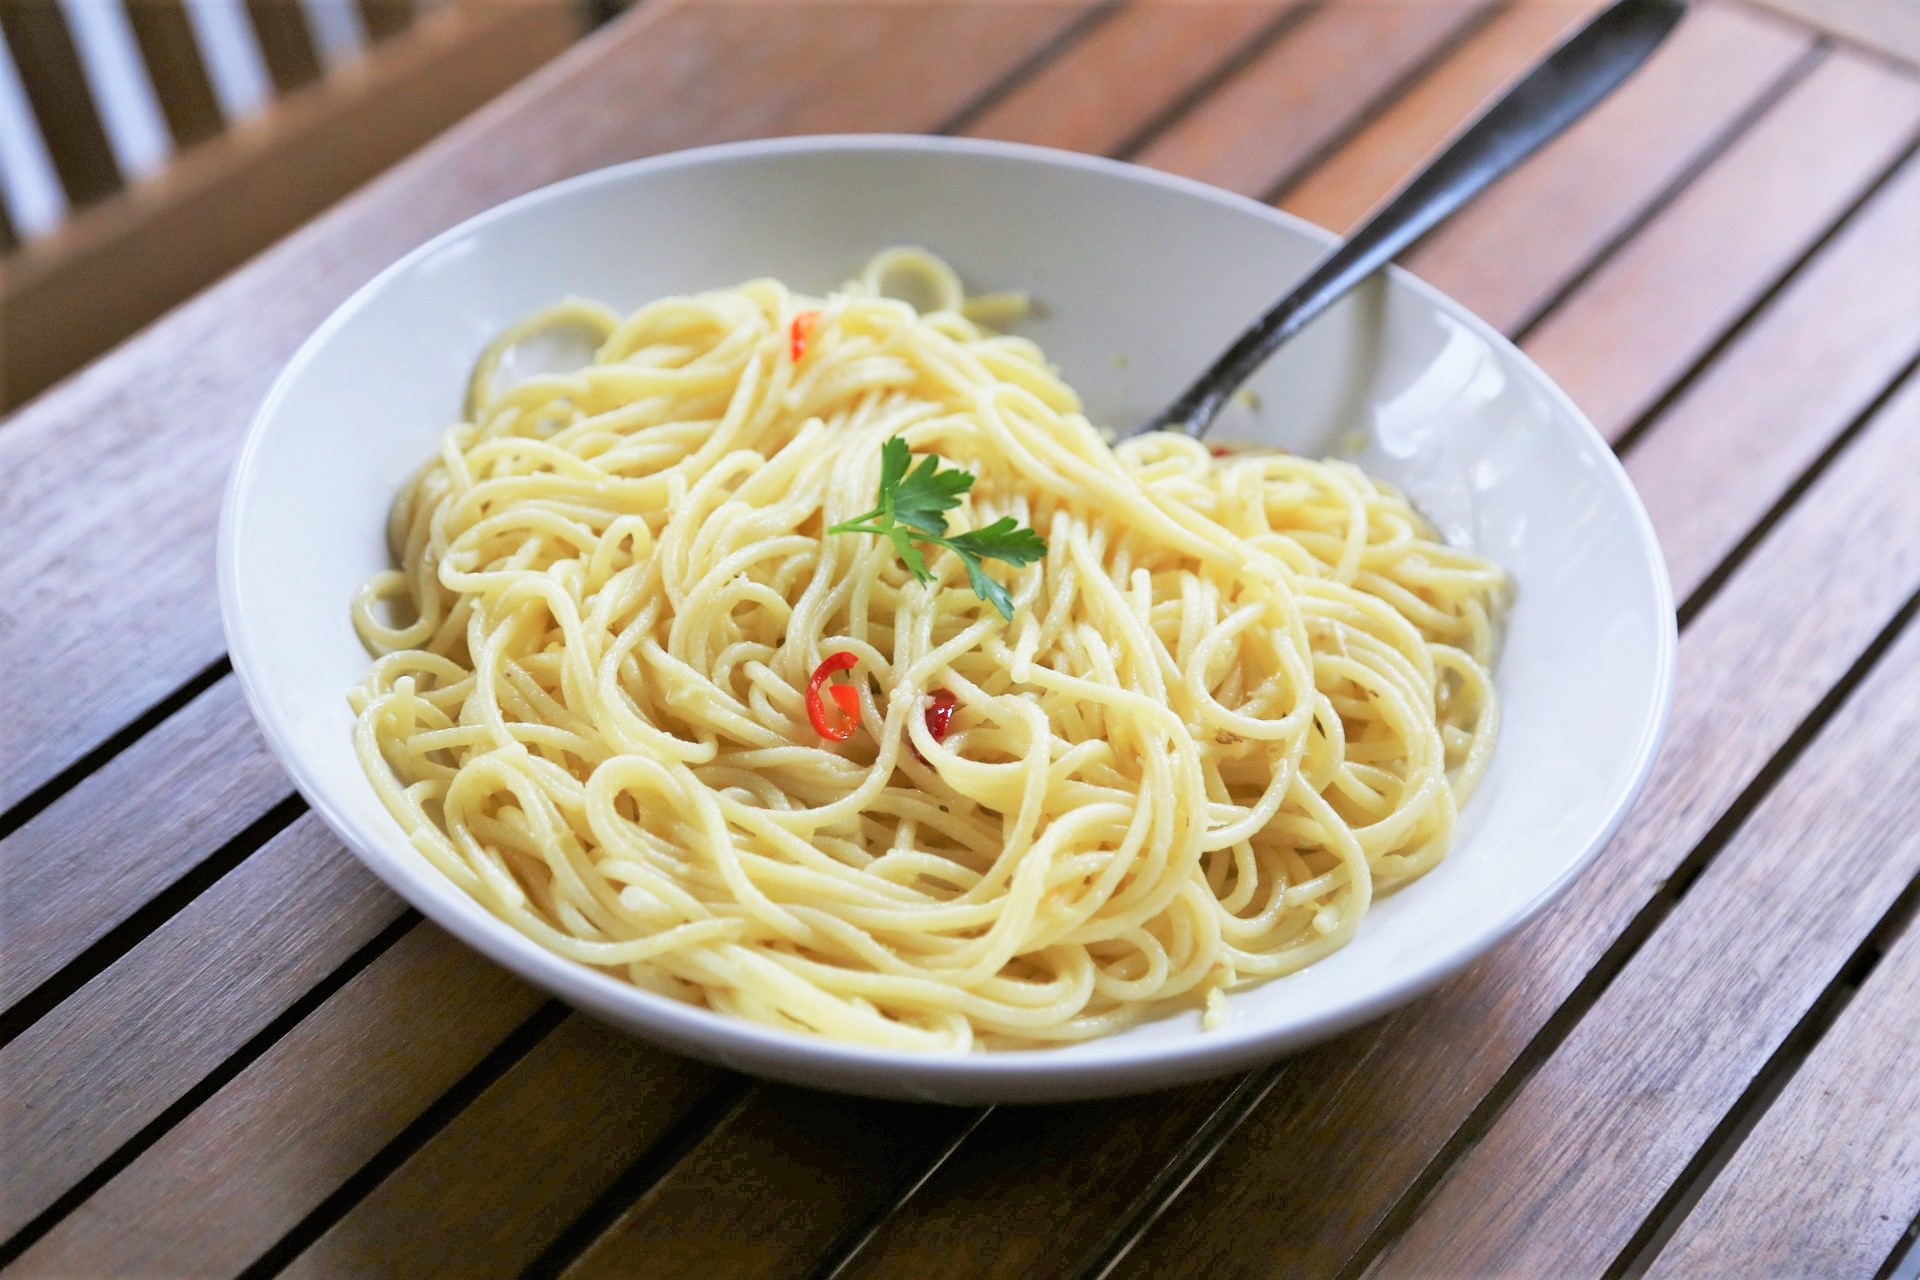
(225, 1048)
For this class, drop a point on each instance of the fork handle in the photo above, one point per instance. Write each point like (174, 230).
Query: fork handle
(1553, 95)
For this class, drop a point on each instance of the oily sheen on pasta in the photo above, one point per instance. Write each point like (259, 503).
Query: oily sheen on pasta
(1238, 696)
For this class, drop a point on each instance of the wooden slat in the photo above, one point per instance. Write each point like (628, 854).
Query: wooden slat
(1891, 27)
(1820, 354)
(1346, 1130)
(56, 85)
(763, 1196)
(385, 18)
(1583, 1153)
(73, 575)
(558, 1128)
(1358, 176)
(1099, 95)
(304, 1115)
(1591, 184)
(1614, 348)
(174, 64)
(97, 855)
(89, 1075)
(1256, 130)
(1828, 1180)
(1033, 1192)
(285, 42)
(116, 266)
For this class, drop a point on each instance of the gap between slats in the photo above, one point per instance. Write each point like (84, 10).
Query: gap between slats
(1773, 1078)
(205, 1088)
(1736, 129)
(1236, 62)
(1477, 22)
(415, 1135)
(156, 911)
(1617, 957)
(1765, 299)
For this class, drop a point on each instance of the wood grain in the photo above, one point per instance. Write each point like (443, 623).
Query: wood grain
(715, 72)
(1832, 342)
(558, 1128)
(1517, 245)
(1655, 308)
(97, 855)
(85, 1078)
(1366, 169)
(1580, 1157)
(1277, 113)
(1348, 1128)
(1078, 1169)
(766, 1194)
(220, 1187)
(63, 109)
(1123, 75)
(1828, 1180)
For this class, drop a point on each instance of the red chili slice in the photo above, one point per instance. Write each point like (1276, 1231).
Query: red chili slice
(940, 704)
(940, 713)
(801, 331)
(1221, 451)
(840, 729)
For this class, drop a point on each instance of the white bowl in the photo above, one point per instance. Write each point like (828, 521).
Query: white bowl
(1141, 278)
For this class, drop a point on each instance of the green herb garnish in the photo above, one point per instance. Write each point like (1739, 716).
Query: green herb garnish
(913, 508)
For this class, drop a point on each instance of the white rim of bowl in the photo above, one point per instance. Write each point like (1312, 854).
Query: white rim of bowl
(1121, 1066)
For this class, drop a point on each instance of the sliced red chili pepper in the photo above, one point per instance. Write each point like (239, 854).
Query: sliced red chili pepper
(940, 713)
(1221, 451)
(940, 704)
(844, 694)
(801, 331)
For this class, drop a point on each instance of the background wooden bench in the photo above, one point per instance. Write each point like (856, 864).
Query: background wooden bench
(148, 146)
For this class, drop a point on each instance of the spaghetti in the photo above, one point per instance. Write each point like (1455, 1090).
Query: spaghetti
(1237, 698)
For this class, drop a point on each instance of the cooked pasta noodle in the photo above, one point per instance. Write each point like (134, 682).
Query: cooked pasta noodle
(1239, 696)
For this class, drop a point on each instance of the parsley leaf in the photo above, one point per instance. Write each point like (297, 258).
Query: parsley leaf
(921, 501)
(913, 506)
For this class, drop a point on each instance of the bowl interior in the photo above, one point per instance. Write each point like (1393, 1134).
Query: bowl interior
(1139, 280)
